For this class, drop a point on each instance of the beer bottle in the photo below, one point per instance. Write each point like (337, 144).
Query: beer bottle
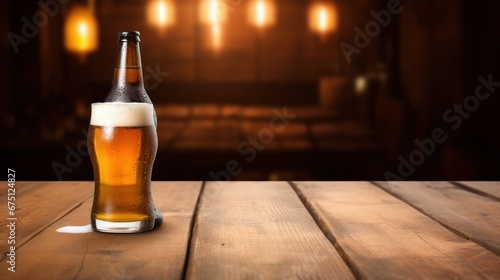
(122, 145)
(128, 83)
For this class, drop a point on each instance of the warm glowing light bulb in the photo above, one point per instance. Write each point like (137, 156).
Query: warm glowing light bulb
(322, 19)
(260, 13)
(213, 11)
(82, 28)
(216, 36)
(160, 13)
(80, 31)
(360, 85)
(213, 14)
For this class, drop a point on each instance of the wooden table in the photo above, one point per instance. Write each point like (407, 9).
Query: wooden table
(265, 230)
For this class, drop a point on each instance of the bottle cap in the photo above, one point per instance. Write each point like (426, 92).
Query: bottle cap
(129, 36)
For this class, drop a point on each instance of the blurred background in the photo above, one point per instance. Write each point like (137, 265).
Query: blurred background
(361, 81)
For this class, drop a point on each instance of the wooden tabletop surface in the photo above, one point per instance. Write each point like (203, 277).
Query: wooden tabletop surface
(263, 230)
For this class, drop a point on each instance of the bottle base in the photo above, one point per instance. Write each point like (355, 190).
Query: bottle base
(122, 227)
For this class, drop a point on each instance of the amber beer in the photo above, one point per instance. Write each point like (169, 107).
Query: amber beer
(122, 146)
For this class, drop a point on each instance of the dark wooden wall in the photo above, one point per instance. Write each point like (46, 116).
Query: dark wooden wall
(445, 46)
(481, 137)
(440, 48)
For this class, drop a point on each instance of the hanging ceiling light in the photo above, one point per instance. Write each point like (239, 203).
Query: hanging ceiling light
(323, 17)
(160, 13)
(261, 13)
(216, 36)
(80, 31)
(214, 13)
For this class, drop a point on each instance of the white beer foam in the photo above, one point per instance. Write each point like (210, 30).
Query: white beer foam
(75, 229)
(122, 114)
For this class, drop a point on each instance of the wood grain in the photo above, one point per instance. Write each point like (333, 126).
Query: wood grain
(384, 238)
(38, 205)
(21, 187)
(489, 189)
(258, 230)
(158, 254)
(475, 217)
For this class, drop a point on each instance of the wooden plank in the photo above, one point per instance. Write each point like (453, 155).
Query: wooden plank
(21, 188)
(38, 205)
(473, 216)
(158, 254)
(384, 238)
(258, 230)
(489, 189)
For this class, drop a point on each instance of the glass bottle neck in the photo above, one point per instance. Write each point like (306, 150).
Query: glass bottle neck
(128, 68)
